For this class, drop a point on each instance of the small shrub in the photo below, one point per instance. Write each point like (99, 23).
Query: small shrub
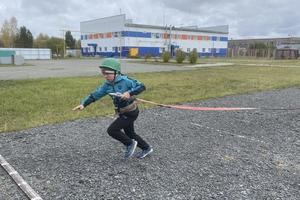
(180, 56)
(166, 56)
(193, 56)
(147, 56)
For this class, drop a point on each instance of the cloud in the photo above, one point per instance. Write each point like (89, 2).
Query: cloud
(246, 18)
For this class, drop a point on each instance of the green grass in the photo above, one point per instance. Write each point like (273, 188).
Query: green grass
(237, 61)
(30, 103)
(11, 65)
(252, 60)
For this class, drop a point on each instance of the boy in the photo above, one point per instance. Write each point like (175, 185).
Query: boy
(121, 89)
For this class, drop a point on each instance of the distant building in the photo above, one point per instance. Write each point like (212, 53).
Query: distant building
(287, 42)
(278, 48)
(118, 36)
(31, 53)
(7, 57)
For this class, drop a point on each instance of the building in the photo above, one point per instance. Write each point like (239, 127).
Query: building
(31, 53)
(285, 47)
(117, 36)
(7, 57)
(276, 42)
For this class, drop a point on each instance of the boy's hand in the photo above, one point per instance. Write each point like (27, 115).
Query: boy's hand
(80, 107)
(125, 96)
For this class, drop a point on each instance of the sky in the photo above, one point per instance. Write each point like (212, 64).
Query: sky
(246, 18)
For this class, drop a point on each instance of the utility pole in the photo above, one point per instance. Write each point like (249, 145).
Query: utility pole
(120, 36)
(170, 41)
(64, 45)
(213, 47)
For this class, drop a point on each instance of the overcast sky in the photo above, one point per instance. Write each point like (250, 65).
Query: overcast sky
(246, 18)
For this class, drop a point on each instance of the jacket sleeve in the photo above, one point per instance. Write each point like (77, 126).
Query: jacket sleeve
(135, 87)
(94, 96)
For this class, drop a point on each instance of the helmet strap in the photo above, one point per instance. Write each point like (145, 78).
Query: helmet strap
(115, 75)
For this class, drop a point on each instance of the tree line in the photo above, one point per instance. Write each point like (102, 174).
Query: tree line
(12, 36)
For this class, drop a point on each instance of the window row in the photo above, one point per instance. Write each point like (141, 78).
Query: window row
(106, 49)
(200, 50)
(152, 35)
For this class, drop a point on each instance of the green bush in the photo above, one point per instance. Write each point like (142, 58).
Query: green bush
(147, 56)
(166, 56)
(180, 56)
(193, 56)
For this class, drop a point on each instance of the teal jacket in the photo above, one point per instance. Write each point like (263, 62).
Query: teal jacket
(121, 84)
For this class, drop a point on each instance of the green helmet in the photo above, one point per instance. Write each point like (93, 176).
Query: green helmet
(111, 63)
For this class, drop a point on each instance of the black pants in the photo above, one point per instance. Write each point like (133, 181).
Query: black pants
(126, 122)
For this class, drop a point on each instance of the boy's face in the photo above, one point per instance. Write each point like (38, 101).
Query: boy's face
(108, 75)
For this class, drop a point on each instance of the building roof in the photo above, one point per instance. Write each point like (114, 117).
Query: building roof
(264, 39)
(223, 29)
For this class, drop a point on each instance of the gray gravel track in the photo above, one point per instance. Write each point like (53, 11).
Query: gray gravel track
(197, 155)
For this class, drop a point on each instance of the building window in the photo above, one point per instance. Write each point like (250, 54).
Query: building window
(105, 48)
(100, 49)
(188, 50)
(209, 50)
(119, 48)
(116, 34)
(115, 49)
(203, 50)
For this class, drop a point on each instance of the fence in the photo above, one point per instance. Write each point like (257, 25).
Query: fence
(264, 53)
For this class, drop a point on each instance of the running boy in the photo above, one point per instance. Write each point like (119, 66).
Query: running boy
(121, 89)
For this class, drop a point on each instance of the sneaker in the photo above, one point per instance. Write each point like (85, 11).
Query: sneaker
(130, 149)
(144, 153)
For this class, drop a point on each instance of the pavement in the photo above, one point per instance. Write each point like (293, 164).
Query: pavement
(71, 68)
(83, 67)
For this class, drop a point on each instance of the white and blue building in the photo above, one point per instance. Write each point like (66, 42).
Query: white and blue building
(115, 36)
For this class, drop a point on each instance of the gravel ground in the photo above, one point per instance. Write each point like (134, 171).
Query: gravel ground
(197, 155)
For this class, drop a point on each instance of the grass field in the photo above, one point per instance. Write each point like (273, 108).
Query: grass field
(11, 65)
(30, 103)
(238, 61)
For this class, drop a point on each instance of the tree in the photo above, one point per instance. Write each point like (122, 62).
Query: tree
(5, 32)
(13, 29)
(9, 31)
(78, 44)
(41, 41)
(1, 42)
(56, 46)
(70, 41)
(258, 45)
(24, 38)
